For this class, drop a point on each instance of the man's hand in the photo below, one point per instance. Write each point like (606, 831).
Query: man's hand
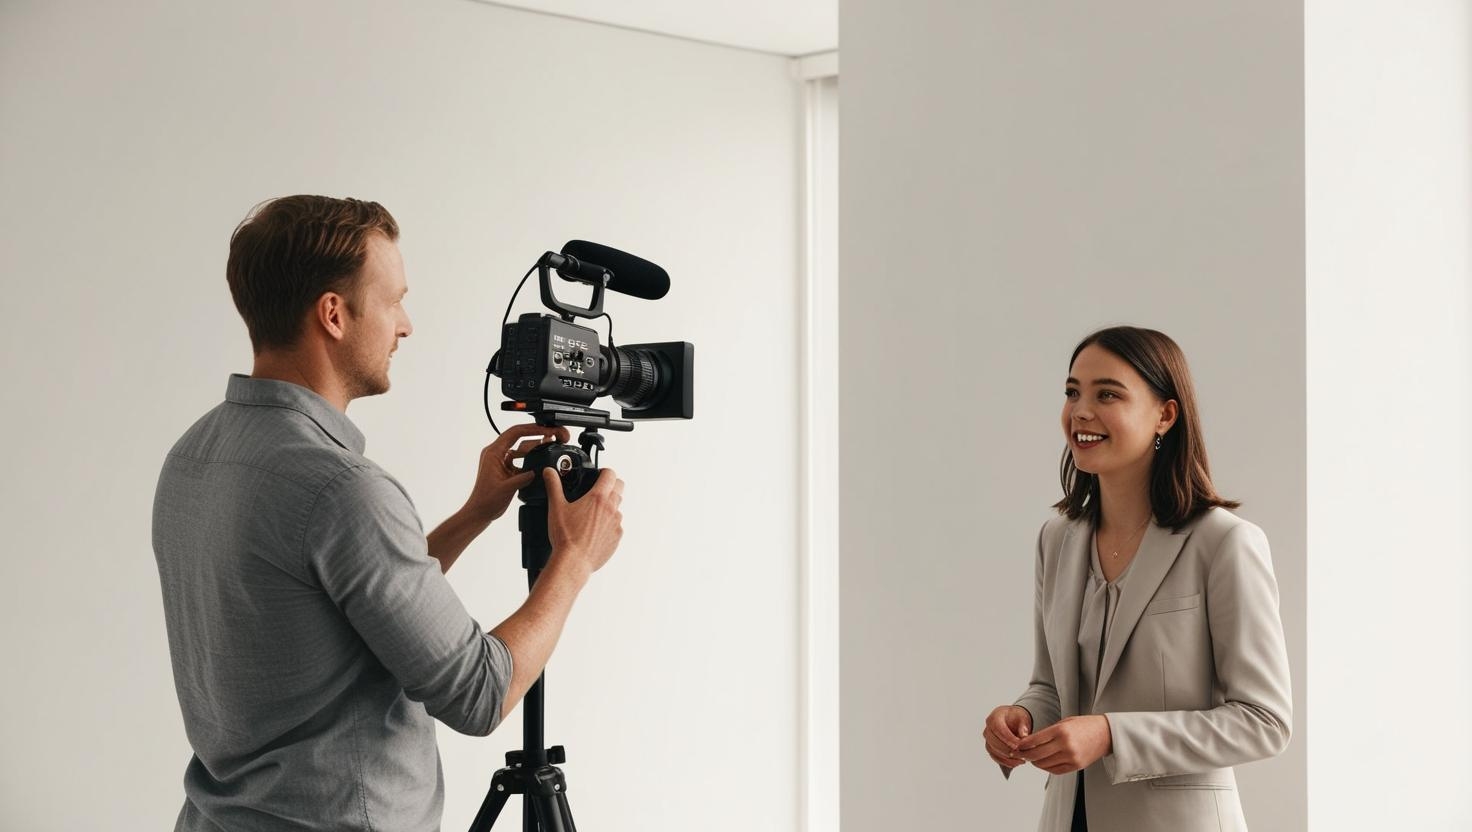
(588, 529)
(499, 478)
(1068, 745)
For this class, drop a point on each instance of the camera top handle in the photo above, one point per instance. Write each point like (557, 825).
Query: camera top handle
(571, 268)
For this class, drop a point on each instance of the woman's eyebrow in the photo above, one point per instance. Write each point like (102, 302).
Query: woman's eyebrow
(1101, 382)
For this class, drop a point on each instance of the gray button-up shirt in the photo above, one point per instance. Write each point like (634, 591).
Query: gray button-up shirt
(314, 640)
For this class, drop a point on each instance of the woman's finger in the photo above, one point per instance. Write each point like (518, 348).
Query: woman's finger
(1001, 758)
(1002, 731)
(1020, 724)
(1004, 762)
(1054, 760)
(1040, 740)
(1065, 764)
(997, 749)
(1061, 769)
(1001, 750)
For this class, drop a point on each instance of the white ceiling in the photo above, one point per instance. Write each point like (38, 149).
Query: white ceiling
(783, 27)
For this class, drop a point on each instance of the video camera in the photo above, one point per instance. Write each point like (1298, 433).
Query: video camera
(554, 369)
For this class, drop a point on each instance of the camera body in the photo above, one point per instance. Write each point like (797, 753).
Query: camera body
(546, 361)
(543, 357)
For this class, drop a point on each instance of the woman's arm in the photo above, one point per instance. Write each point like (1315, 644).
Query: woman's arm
(1251, 660)
(1041, 697)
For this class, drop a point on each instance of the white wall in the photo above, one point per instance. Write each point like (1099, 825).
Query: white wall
(135, 136)
(1389, 136)
(1015, 175)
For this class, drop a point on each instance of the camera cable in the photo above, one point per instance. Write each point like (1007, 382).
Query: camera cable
(486, 393)
(505, 319)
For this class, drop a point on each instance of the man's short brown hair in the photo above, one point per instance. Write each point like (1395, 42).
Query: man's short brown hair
(292, 250)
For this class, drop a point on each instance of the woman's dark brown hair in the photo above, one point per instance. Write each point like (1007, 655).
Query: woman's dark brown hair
(1180, 477)
(292, 250)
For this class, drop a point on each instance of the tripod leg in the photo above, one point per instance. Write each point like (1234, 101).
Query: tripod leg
(566, 812)
(549, 813)
(490, 808)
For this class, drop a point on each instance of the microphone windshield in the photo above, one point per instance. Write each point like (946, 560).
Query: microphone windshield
(631, 275)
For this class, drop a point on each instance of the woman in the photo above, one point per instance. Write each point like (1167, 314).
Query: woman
(1159, 660)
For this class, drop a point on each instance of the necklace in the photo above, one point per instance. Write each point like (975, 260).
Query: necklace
(1115, 553)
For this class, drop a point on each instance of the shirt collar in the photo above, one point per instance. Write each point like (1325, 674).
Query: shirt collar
(269, 392)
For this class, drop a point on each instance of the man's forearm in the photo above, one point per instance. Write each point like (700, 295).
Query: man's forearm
(532, 631)
(451, 537)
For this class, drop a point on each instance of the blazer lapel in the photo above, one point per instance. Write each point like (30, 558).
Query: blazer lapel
(1157, 553)
(1068, 600)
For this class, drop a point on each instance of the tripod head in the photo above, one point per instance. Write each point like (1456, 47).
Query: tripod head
(577, 466)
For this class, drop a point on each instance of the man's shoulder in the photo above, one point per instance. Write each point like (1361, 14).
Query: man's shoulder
(280, 442)
(363, 489)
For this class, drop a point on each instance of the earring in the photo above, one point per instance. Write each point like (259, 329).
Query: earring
(1157, 441)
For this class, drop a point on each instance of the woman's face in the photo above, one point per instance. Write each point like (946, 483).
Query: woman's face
(1110, 416)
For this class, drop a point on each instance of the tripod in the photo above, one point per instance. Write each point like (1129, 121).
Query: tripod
(532, 772)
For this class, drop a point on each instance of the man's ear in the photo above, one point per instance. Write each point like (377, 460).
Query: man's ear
(330, 312)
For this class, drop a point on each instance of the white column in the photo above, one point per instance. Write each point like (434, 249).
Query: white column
(1389, 136)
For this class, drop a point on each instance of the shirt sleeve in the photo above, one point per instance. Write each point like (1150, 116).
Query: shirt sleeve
(366, 546)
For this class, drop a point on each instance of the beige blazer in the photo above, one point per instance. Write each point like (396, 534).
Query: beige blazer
(1193, 682)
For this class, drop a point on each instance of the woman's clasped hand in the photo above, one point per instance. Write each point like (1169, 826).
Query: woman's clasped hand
(1066, 746)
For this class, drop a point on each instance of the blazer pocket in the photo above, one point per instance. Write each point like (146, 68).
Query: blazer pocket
(1188, 602)
(1204, 781)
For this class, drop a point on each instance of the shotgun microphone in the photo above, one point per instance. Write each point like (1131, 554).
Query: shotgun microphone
(631, 275)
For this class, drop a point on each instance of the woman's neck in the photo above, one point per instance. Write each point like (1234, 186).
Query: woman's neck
(1124, 501)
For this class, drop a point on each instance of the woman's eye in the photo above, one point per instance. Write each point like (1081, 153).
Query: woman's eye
(1070, 393)
(1110, 393)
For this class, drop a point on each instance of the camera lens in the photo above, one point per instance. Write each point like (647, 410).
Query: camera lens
(635, 380)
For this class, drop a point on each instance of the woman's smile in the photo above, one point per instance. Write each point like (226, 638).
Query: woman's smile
(1083, 440)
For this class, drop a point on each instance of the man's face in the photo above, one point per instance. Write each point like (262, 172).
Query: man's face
(377, 319)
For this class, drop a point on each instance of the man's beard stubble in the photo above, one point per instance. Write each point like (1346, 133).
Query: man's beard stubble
(367, 378)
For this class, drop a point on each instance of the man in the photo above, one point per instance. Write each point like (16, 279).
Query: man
(314, 637)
